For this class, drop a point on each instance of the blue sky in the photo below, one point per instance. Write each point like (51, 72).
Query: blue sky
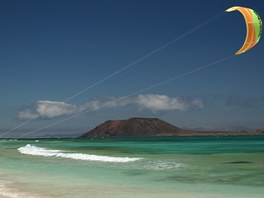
(51, 50)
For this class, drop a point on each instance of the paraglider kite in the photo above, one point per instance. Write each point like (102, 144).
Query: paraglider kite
(254, 27)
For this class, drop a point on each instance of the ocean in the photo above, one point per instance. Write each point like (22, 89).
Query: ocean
(156, 167)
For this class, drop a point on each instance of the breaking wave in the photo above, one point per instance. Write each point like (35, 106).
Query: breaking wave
(38, 151)
(163, 165)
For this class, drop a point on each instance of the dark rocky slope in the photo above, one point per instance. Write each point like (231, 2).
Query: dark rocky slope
(133, 127)
(151, 127)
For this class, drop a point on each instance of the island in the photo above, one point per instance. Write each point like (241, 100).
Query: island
(145, 127)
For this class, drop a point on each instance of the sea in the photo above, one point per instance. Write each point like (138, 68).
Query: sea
(156, 167)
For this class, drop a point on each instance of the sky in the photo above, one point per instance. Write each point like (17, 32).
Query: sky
(82, 59)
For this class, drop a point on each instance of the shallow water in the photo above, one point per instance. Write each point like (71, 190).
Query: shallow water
(133, 167)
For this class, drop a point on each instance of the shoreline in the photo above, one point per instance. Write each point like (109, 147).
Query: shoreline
(218, 168)
(203, 134)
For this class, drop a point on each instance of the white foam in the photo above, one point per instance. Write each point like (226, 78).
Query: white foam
(163, 165)
(38, 151)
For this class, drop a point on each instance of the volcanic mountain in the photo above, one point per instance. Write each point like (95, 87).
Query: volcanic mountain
(153, 127)
(133, 127)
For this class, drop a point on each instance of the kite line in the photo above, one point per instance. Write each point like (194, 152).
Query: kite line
(142, 58)
(134, 93)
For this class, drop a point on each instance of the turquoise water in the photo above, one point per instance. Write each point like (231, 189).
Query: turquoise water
(133, 167)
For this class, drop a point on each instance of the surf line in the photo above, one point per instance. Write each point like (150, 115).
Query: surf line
(39, 151)
(197, 69)
(142, 58)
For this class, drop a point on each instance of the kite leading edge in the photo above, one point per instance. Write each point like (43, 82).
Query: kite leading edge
(254, 27)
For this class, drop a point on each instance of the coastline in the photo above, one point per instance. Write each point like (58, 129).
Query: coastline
(111, 191)
(200, 167)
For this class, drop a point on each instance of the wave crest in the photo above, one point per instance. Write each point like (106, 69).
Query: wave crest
(38, 151)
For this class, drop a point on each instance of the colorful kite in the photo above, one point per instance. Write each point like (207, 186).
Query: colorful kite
(254, 27)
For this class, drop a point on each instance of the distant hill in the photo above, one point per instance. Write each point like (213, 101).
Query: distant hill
(151, 127)
(133, 127)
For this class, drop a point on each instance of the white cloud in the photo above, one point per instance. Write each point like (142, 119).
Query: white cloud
(27, 114)
(160, 103)
(47, 109)
(108, 102)
(198, 103)
(152, 102)
(50, 109)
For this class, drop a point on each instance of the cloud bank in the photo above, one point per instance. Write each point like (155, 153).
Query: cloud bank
(45, 109)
